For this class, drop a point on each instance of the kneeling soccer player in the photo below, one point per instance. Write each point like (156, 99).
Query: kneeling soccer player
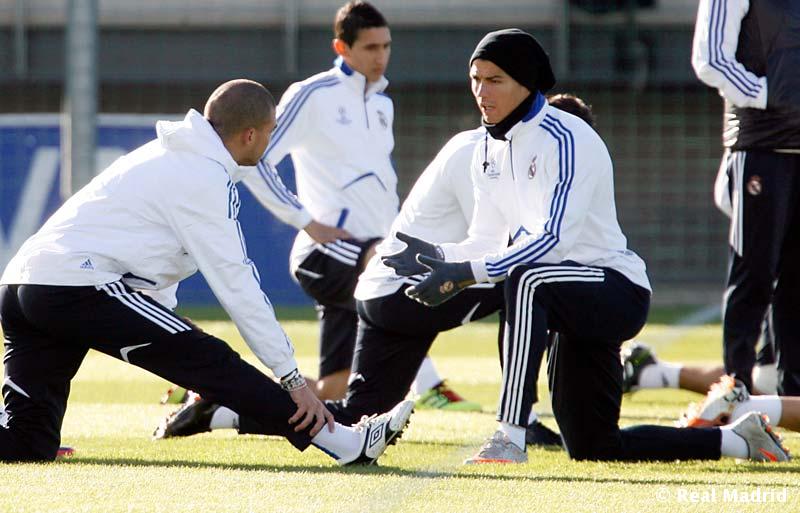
(545, 177)
(151, 219)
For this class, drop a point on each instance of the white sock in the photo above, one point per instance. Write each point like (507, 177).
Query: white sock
(224, 418)
(733, 445)
(532, 417)
(514, 433)
(427, 377)
(343, 445)
(769, 404)
(660, 375)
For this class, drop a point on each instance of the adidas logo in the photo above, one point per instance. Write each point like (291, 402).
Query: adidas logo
(87, 264)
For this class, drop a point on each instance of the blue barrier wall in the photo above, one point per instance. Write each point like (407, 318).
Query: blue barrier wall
(29, 194)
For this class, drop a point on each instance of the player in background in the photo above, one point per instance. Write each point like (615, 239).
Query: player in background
(154, 217)
(337, 127)
(643, 370)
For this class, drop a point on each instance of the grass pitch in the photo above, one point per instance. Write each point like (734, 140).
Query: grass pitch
(117, 468)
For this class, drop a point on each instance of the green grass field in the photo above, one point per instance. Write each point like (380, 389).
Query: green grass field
(117, 468)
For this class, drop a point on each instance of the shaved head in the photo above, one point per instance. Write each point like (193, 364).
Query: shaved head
(237, 105)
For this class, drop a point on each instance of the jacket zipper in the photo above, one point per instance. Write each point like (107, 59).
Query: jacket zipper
(511, 157)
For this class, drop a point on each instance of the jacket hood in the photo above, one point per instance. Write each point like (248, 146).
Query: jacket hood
(196, 135)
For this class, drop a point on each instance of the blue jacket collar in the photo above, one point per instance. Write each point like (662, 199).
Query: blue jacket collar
(347, 70)
(358, 81)
(535, 115)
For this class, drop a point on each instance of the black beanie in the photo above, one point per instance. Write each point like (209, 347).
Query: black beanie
(520, 55)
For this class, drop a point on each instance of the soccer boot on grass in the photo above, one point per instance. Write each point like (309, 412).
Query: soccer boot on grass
(380, 431)
(717, 408)
(190, 419)
(763, 443)
(540, 435)
(442, 397)
(498, 449)
(635, 357)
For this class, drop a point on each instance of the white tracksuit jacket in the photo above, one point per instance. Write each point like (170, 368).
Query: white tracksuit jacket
(551, 186)
(153, 218)
(438, 209)
(338, 131)
(716, 38)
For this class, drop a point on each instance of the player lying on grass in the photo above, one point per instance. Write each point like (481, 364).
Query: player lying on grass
(643, 370)
(396, 332)
(151, 219)
(547, 178)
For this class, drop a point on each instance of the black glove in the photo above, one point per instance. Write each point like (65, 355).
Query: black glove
(405, 262)
(446, 280)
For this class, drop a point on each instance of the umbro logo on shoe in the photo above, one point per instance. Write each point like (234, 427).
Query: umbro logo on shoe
(375, 437)
(88, 265)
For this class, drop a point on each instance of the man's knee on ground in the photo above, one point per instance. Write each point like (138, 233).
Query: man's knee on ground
(43, 448)
(592, 450)
(48, 453)
(588, 452)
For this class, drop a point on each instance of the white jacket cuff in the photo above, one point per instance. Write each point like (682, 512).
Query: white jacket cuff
(760, 101)
(300, 219)
(479, 271)
(284, 368)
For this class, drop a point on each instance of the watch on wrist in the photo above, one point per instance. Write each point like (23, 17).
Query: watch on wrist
(293, 381)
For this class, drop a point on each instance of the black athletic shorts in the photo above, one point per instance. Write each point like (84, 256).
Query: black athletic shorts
(329, 275)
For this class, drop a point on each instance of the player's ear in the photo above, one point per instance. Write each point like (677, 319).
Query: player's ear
(247, 136)
(340, 47)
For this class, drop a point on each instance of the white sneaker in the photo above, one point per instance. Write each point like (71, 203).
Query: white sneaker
(763, 443)
(717, 408)
(381, 431)
(499, 449)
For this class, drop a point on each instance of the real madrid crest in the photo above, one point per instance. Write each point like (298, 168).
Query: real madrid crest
(532, 169)
(383, 120)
